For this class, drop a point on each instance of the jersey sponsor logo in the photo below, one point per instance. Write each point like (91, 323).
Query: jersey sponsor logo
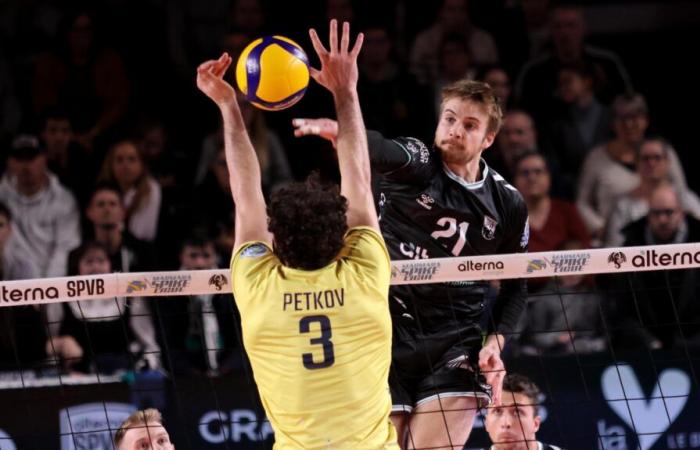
(238, 425)
(617, 258)
(218, 281)
(413, 251)
(488, 230)
(525, 238)
(417, 147)
(254, 251)
(426, 201)
(420, 271)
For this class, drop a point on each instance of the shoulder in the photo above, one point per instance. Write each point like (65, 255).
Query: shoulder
(251, 262)
(415, 148)
(634, 232)
(506, 190)
(366, 242)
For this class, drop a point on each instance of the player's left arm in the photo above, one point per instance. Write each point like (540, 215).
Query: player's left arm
(509, 305)
(242, 162)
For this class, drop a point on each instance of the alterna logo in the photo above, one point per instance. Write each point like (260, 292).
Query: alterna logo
(5, 442)
(649, 418)
(90, 426)
(652, 258)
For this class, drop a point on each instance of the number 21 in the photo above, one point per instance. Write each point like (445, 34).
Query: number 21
(450, 229)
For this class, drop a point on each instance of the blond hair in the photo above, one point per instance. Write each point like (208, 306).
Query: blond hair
(476, 92)
(138, 419)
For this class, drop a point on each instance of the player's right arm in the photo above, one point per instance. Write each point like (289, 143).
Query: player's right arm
(242, 162)
(339, 75)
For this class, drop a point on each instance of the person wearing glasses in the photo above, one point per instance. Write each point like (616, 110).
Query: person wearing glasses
(649, 315)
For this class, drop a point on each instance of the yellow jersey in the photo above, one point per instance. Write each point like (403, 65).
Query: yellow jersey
(319, 342)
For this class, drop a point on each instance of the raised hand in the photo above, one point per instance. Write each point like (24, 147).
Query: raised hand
(324, 128)
(338, 63)
(210, 80)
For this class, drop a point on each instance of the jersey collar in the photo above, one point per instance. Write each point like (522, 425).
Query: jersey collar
(462, 182)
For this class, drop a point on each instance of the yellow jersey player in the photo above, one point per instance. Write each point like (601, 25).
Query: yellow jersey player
(314, 310)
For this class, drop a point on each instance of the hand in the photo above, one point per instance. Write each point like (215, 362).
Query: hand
(338, 65)
(210, 80)
(325, 128)
(494, 371)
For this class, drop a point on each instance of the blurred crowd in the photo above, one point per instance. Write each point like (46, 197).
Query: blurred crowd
(111, 161)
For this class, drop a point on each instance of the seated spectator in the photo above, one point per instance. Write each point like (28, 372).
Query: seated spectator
(88, 79)
(517, 135)
(658, 309)
(274, 164)
(75, 167)
(609, 170)
(200, 331)
(535, 89)
(582, 122)
(454, 64)
(105, 214)
(453, 17)
(115, 333)
(45, 213)
(143, 430)
(653, 171)
(499, 80)
(125, 167)
(513, 424)
(23, 342)
(391, 99)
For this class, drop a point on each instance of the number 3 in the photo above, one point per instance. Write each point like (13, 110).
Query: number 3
(325, 340)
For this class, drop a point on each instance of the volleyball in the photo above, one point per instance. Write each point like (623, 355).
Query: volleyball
(273, 72)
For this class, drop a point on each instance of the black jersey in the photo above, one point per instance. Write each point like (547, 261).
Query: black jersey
(426, 211)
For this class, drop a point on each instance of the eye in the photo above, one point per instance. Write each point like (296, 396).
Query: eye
(450, 119)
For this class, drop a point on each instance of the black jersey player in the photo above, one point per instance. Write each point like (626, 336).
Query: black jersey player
(439, 202)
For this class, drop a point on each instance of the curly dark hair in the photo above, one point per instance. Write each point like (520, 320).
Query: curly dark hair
(308, 223)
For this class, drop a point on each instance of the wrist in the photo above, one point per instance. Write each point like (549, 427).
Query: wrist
(345, 93)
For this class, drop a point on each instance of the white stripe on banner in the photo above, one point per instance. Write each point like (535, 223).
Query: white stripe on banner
(475, 268)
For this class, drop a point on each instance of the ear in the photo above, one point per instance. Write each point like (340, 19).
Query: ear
(488, 140)
(537, 421)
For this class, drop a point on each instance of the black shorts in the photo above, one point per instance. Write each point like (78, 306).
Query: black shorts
(428, 364)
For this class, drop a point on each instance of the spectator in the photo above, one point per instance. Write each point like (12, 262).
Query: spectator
(125, 166)
(201, 331)
(609, 169)
(454, 63)
(106, 214)
(10, 109)
(391, 99)
(143, 430)
(536, 85)
(653, 171)
(114, 333)
(75, 167)
(274, 164)
(661, 309)
(45, 213)
(453, 17)
(166, 163)
(514, 423)
(88, 79)
(499, 80)
(581, 124)
(517, 135)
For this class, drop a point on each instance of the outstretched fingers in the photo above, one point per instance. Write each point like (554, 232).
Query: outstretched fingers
(333, 41)
(358, 45)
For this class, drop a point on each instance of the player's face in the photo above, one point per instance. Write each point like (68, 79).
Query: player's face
(512, 426)
(653, 163)
(93, 262)
(532, 177)
(128, 166)
(151, 437)
(461, 133)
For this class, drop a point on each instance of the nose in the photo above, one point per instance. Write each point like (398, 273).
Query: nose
(455, 130)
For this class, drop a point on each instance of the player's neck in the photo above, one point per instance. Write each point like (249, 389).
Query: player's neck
(469, 171)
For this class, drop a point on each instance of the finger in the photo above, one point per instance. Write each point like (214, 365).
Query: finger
(315, 74)
(345, 38)
(333, 41)
(358, 45)
(223, 67)
(318, 46)
(207, 64)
